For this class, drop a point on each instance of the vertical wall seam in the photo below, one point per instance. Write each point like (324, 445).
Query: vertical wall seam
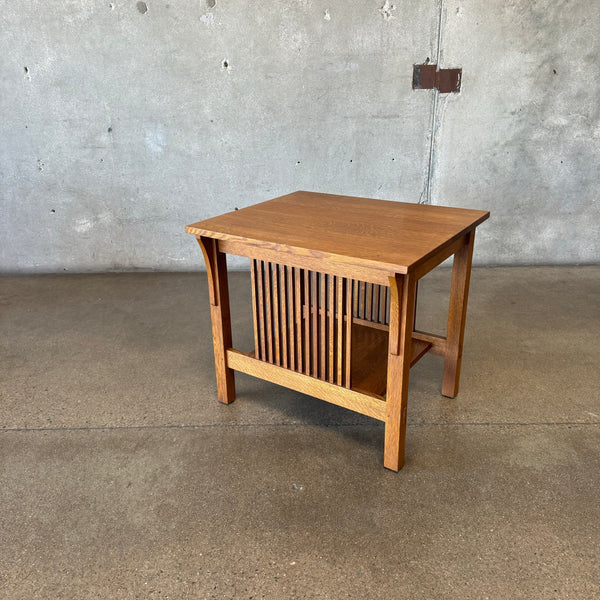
(434, 119)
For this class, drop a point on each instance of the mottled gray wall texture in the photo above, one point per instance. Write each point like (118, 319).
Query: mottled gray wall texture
(123, 121)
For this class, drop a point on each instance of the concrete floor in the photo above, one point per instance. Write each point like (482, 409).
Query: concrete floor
(122, 477)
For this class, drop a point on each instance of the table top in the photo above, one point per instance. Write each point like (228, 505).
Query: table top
(397, 234)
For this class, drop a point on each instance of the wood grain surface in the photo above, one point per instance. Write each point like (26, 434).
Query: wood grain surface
(395, 236)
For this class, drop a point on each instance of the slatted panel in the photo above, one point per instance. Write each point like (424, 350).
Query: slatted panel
(371, 302)
(303, 319)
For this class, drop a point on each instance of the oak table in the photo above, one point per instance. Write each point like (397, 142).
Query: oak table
(334, 290)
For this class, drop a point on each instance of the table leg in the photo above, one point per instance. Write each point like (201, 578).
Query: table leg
(402, 309)
(218, 290)
(457, 312)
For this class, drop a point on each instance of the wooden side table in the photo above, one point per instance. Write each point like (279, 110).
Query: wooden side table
(334, 289)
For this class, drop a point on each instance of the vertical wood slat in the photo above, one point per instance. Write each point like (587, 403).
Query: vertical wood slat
(368, 301)
(314, 322)
(306, 316)
(340, 327)
(291, 317)
(262, 334)
(415, 309)
(254, 307)
(388, 304)
(323, 326)
(269, 312)
(331, 280)
(283, 312)
(348, 342)
(375, 311)
(274, 270)
(298, 312)
(383, 306)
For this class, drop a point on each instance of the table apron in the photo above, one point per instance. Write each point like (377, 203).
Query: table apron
(439, 256)
(310, 261)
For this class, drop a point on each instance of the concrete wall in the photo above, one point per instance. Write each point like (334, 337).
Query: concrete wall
(123, 121)
(523, 136)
